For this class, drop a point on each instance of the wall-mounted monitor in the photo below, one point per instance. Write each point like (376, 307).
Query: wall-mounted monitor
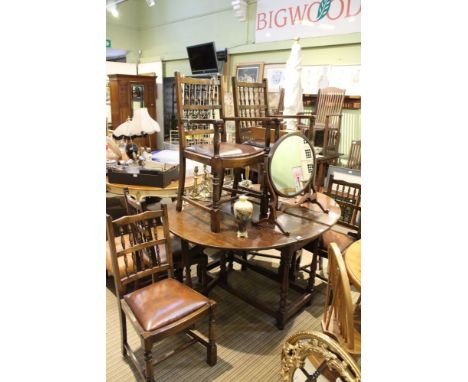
(202, 58)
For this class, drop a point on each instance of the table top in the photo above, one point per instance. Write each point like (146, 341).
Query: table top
(352, 259)
(304, 224)
(171, 186)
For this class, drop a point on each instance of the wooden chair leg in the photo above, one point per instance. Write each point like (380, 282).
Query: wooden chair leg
(181, 186)
(237, 178)
(212, 352)
(148, 357)
(123, 332)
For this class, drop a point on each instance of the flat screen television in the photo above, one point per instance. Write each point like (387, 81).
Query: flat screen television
(202, 58)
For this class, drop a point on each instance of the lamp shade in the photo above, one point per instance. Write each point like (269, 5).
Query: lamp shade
(143, 123)
(125, 130)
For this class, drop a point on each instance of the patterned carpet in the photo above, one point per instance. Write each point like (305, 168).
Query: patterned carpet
(249, 344)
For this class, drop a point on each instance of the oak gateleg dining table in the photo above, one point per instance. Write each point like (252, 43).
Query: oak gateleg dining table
(305, 224)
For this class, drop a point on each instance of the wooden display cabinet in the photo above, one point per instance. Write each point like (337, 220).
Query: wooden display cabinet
(128, 92)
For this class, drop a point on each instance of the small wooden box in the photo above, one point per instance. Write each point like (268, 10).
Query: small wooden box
(153, 178)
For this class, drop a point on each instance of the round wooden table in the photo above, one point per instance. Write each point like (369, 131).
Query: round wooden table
(141, 192)
(352, 259)
(305, 225)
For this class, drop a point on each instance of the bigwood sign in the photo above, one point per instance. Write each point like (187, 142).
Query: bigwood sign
(282, 20)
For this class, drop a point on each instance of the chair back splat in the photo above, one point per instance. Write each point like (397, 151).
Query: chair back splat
(354, 158)
(338, 319)
(143, 243)
(348, 196)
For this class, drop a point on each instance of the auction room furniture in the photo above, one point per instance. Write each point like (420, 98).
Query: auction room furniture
(352, 259)
(183, 257)
(130, 92)
(202, 138)
(303, 224)
(338, 320)
(354, 158)
(142, 192)
(328, 116)
(319, 353)
(348, 196)
(164, 307)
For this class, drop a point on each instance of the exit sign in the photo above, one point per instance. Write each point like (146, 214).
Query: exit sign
(108, 43)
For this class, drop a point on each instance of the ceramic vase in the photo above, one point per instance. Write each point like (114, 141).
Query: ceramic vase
(243, 210)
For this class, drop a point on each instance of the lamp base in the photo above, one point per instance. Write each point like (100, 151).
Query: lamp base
(132, 150)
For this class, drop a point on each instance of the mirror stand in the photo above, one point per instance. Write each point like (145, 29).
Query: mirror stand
(271, 218)
(310, 196)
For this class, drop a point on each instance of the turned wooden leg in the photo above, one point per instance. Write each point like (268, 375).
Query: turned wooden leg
(148, 357)
(181, 186)
(215, 223)
(237, 178)
(123, 331)
(244, 257)
(286, 254)
(212, 352)
(186, 262)
(201, 269)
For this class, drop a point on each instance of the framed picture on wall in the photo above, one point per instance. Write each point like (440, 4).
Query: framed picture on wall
(275, 74)
(249, 72)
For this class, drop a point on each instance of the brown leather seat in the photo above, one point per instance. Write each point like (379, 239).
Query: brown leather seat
(226, 150)
(342, 240)
(165, 302)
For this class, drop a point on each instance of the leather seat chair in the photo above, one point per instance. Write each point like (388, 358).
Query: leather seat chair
(163, 308)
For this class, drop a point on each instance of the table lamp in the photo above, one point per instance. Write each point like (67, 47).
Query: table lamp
(140, 126)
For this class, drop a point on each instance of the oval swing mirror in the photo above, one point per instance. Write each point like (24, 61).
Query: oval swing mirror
(291, 165)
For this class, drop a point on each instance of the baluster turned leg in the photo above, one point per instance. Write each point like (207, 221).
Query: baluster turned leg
(313, 266)
(148, 357)
(235, 183)
(212, 352)
(286, 254)
(215, 223)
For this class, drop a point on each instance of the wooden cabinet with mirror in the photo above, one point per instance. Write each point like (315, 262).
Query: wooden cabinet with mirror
(128, 93)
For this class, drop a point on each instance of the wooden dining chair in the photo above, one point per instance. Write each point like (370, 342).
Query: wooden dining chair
(338, 317)
(354, 157)
(202, 138)
(194, 256)
(348, 196)
(320, 355)
(328, 114)
(166, 306)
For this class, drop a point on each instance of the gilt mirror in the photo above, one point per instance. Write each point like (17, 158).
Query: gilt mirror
(291, 166)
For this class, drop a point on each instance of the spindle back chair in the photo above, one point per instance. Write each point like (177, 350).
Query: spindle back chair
(200, 107)
(328, 116)
(338, 320)
(354, 158)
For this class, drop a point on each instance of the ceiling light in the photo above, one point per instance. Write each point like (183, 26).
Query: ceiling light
(150, 2)
(113, 10)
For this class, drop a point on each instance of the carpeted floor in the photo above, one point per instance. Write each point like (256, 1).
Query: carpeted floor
(249, 344)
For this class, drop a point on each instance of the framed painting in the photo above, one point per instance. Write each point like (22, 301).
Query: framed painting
(249, 72)
(275, 74)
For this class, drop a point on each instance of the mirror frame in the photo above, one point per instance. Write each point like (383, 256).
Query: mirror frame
(270, 160)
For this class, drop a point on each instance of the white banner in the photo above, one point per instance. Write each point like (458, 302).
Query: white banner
(285, 19)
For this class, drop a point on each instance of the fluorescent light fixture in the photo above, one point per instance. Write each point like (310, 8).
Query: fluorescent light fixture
(113, 10)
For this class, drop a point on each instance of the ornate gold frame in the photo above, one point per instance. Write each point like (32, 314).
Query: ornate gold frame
(302, 344)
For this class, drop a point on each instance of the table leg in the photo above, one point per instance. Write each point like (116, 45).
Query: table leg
(313, 265)
(286, 254)
(186, 262)
(223, 271)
